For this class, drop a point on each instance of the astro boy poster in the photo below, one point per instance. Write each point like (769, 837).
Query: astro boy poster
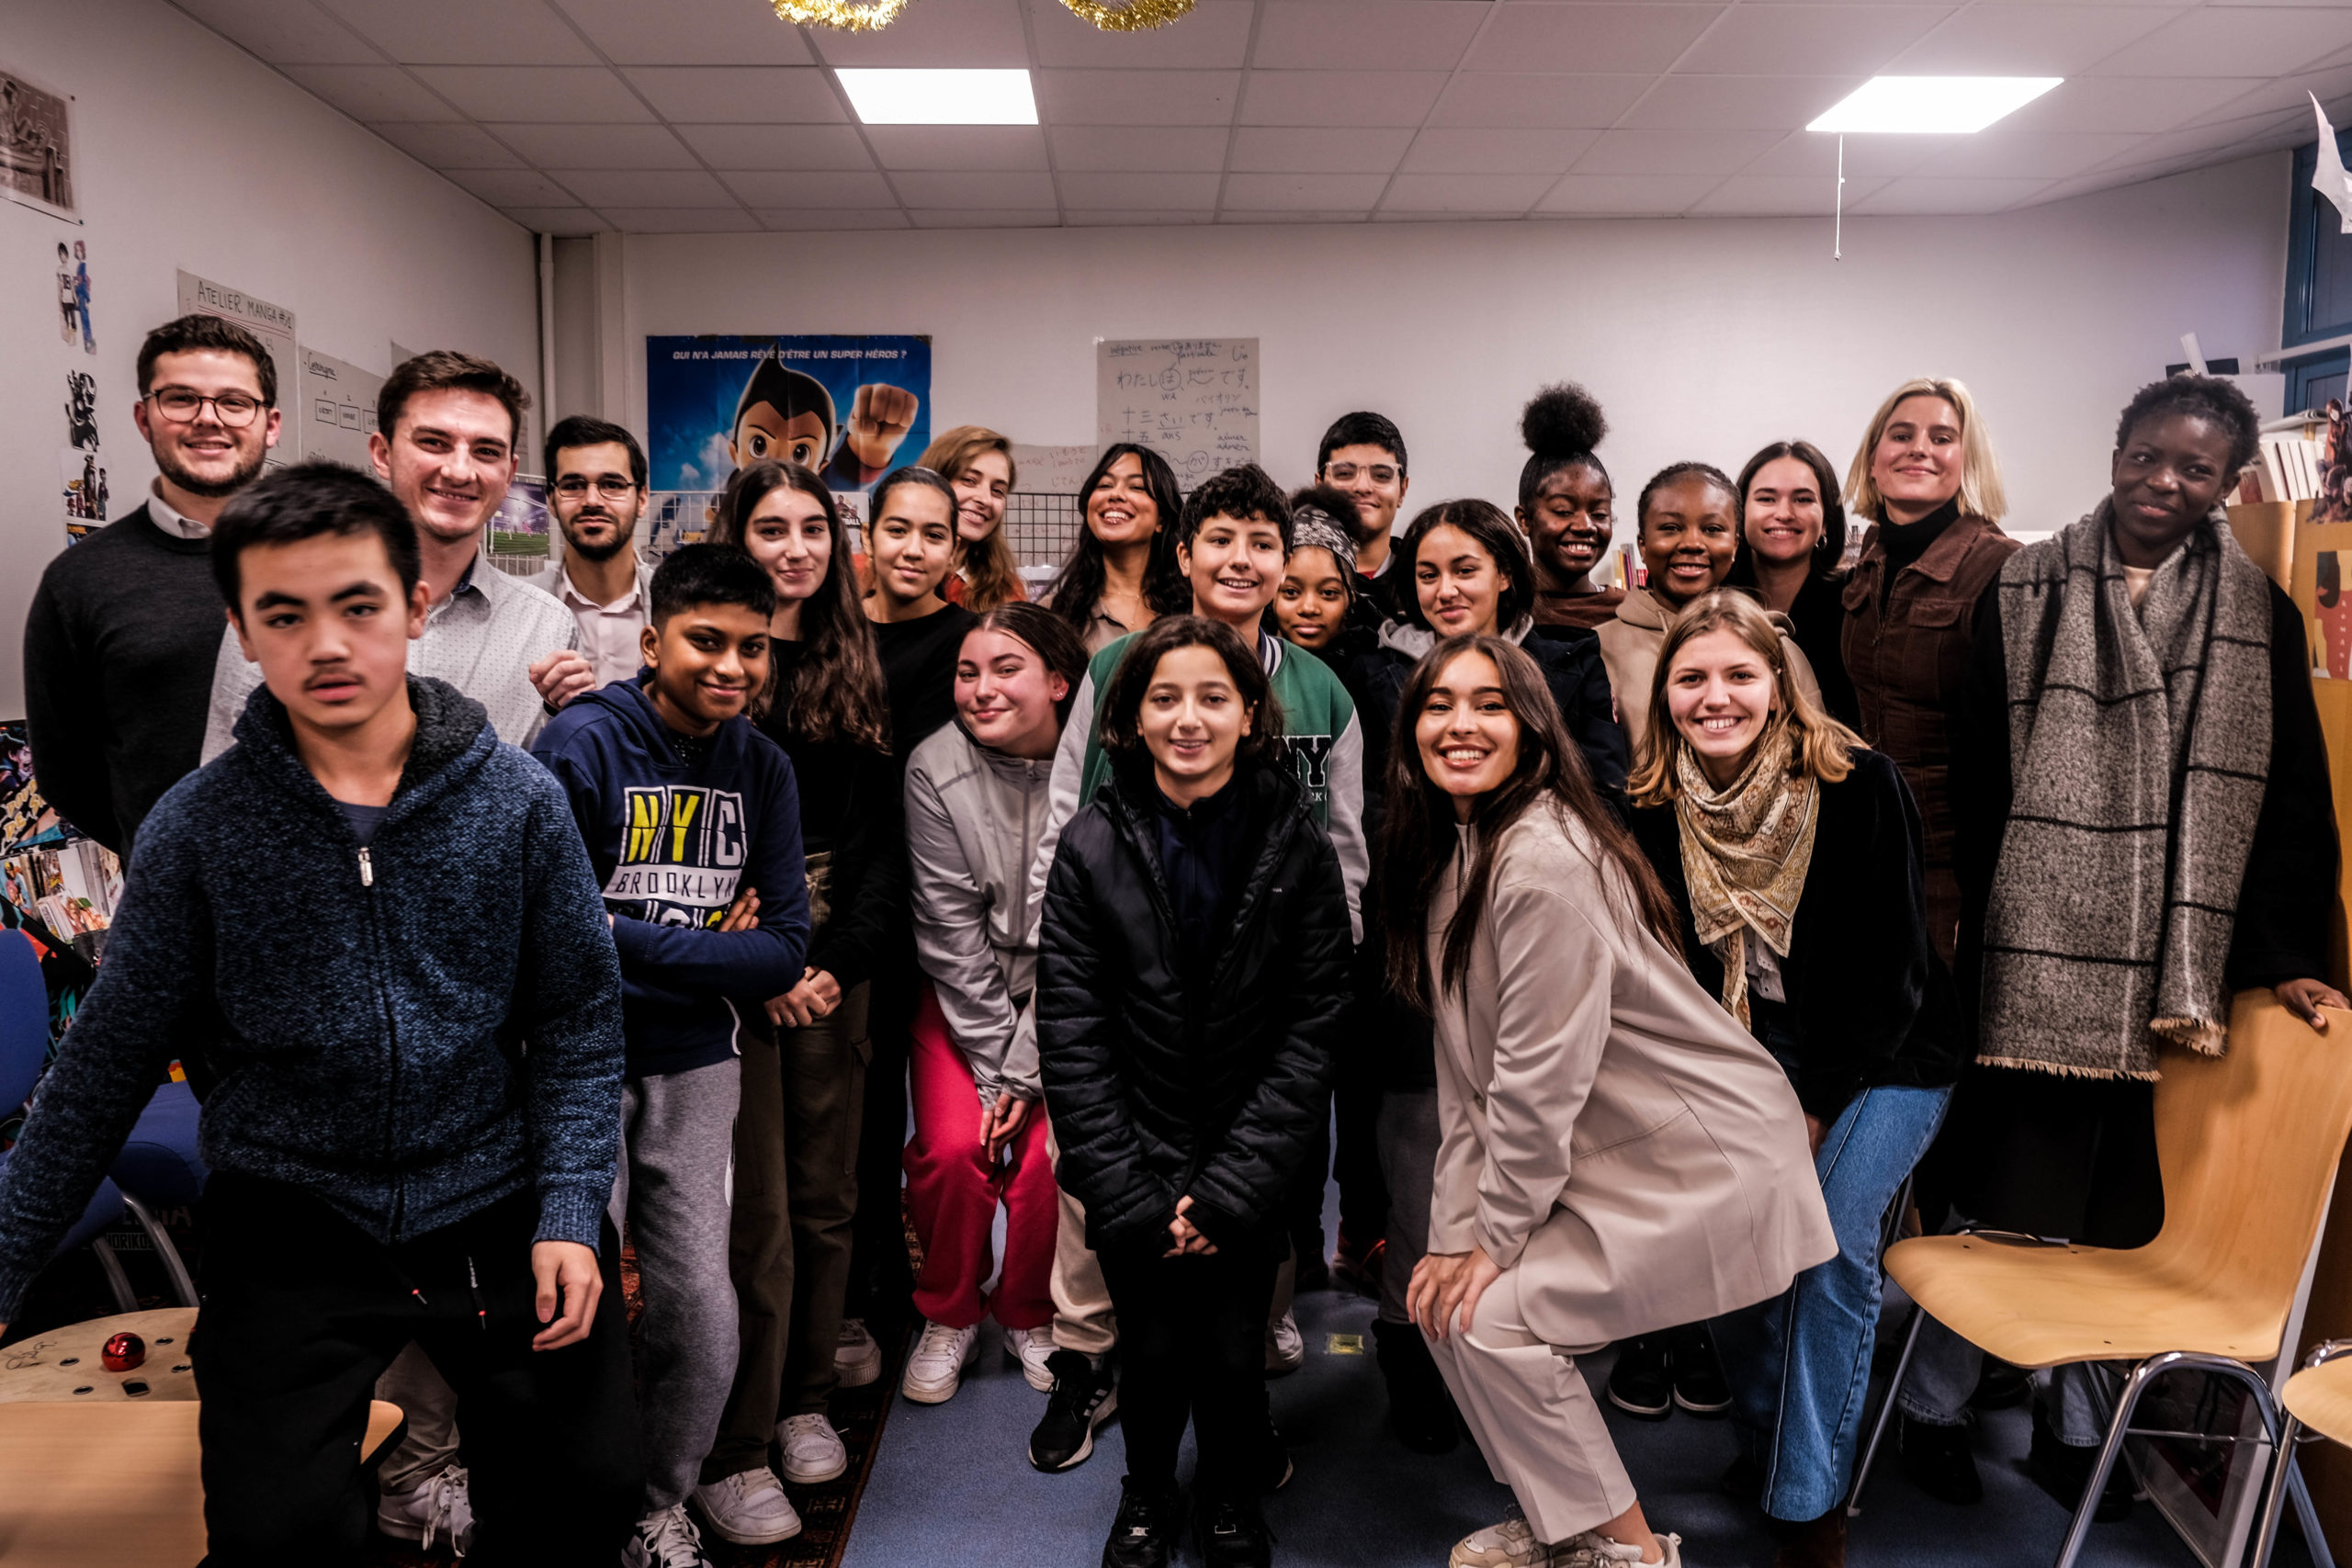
(850, 408)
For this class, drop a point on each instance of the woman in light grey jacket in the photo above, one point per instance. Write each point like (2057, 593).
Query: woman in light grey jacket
(1618, 1155)
(976, 798)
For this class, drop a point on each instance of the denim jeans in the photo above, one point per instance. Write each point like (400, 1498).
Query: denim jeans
(1799, 1365)
(1944, 1369)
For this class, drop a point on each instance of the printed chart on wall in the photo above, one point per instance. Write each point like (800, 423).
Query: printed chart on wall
(1192, 400)
(274, 324)
(850, 408)
(338, 409)
(37, 147)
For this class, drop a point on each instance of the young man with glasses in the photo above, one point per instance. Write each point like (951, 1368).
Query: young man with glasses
(595, 490)
(120, 640)
(1363, 456)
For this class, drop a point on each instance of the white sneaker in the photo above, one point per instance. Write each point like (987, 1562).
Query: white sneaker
(1510, 1544)
(666, 1540)
(1032, 1347)
(857, 1360)
(748, 1509)
(935, 1367)
(442, 1508)
(812, 1449)
(1593, 1550)
(1285, 1346)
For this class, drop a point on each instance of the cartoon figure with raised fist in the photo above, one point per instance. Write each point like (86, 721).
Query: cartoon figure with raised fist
(788, 416)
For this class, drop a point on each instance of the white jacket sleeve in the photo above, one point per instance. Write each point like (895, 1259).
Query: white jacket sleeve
(952, 944)
(1061, 797)
(233, 680)
(1346, 777)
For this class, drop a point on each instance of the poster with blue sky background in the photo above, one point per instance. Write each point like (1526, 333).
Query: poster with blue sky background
(850, 407)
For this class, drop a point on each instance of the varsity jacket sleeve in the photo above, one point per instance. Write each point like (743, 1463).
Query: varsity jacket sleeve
(233, 680)
(870, 876)
(1347, 817)
(146, 1006)
(65, 715)
(2289, 886)
(571, 1008)
(1061, 793)
(952, 944)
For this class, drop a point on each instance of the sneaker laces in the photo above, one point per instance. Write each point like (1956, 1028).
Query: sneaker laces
(812, 1425)
(671, 1538)
(745, 1483)
(448, 1508)
(938, 1340)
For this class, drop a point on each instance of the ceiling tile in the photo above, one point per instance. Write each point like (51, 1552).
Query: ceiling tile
(1303, 193)
(1997, 153)
(708, 33)
(973, 191)
(812, 218)
(1214, 33)
(535, 93)
(1717, 153)
(1132, 191)
(1539, 36)
(1820, 41)
(1340, 97)
(2126, 103)
(681, 220)
(1044, 218)
(1301, 215)
(1400, 215)
(1143, 147)
(1915, 194)
(449, 146)
(1777, 195)
(1365, 35)
(765, 190)
(1439, 152)
(2238, 40)
(1499, 100)
(738, 94)
(2283, 93)
(283, 34)
(556, 220)
(778, 146)
(2217, 137)
(1513, 194)
(1294, 150)
(466, 32)
(958, 146)
(645, 187)
(1137, 98)
(511, 187)
(372, 92)
(597, 146)
(934, 33)
(2028, 40)
(1810, 153)
(1125, 220)
(1624, 195)
(1738, 103)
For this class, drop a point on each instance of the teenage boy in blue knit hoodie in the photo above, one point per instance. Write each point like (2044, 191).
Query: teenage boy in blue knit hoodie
(692, 825)
(371, 926)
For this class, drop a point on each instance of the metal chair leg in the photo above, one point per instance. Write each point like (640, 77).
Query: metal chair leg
(1885, 1411)
(2308, 1516)
(176, 1270)
(2119, 1425)
(117, 1280)
(2282, 1465)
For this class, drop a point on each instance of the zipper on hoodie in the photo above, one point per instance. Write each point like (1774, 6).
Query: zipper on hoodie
(392, 1040)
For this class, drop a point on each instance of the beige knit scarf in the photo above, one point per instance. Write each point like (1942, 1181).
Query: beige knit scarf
(1746, 851)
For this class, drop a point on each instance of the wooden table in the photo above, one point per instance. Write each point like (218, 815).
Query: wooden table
(63, 1363)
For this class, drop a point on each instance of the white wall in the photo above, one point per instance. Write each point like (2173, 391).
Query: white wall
(1703, 338)
(192, 155)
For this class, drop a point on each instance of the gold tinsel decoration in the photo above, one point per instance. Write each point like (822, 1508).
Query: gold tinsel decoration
(1126, 16)
(870, 16)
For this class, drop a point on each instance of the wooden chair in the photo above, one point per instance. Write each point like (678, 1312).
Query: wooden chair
(2318, 1397)
(2248, 1145)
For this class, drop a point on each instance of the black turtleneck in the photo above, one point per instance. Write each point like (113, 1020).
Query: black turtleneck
(1905, 543)
(1200, 851)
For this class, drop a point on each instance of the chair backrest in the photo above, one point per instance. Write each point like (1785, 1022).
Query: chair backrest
(24, 1019)
(2249, 1143)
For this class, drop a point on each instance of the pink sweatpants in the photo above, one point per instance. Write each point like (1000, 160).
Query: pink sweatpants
(952, 1193)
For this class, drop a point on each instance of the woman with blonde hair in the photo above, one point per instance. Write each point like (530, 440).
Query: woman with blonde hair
(1791, 853)
(979, 463)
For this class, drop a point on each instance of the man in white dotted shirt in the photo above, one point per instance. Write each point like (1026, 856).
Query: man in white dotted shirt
(447, 427)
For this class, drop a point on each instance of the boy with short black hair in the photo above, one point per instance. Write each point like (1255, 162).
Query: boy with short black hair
(1363, 456)
(692, 825)
(349, 924)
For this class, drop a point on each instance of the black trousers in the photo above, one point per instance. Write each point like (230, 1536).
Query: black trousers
(1193, 1343)
(303, 1311)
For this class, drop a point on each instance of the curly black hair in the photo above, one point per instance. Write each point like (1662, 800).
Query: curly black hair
(1240, 493)
(1561, 425)
(2202, 397)
(1674, 472)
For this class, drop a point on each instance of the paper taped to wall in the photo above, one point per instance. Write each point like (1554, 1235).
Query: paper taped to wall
(337, 409)
(1192, 400)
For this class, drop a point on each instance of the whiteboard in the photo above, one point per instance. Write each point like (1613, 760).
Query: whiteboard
(1192, 400)
(338, 408)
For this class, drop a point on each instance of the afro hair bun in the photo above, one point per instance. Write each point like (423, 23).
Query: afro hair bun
(1563, 420)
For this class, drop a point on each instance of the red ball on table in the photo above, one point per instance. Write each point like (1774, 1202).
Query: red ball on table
(123, 1352)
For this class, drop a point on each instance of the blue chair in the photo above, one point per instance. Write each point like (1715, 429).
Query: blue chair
(159, 1167)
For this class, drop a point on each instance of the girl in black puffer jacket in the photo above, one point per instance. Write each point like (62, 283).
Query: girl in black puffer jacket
(1192, 975)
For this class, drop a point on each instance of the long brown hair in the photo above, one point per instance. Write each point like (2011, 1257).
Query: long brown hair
(1047, 635)
(1417, 839)
(991, 574)
(1821, 747)
(835, 693)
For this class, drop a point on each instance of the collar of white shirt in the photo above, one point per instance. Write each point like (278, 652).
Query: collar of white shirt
(170, 519)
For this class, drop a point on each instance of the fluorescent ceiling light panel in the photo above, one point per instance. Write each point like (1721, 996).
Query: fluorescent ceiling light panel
(1946, 104)
(941, 98)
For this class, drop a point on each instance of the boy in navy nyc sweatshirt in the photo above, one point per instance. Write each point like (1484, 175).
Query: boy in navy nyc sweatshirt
(693, 826)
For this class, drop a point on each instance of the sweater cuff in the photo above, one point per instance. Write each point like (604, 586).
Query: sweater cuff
(570, 1213)
(1502, 1251)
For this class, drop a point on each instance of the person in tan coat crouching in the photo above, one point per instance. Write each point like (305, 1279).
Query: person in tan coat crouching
(1618, 1154)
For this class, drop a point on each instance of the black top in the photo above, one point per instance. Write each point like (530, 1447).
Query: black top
(1905, 543)
(918, 666)
(364, 819)
(1199, 853)
(1818, 617)
(120, 648)
(1871, 1002)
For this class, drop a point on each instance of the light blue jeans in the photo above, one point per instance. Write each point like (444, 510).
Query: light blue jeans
(1799, 1365)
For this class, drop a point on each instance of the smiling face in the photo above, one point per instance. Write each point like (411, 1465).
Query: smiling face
(1467, 735)
(2171, 471)
(981, 493)
(1721, 694)
(327, 621)
(1456, 582)
(1121, 511)
(1236, 566)
(1006, 696)
(1372, 478)
(787, 533)
(1192, 722)
(913, 541)
(1918, 460)
(1688, 539)
(207, 456)
(1568, 530)
(450, 457)
(1783, 519)
(1312, 603)
(764, 432)
(707, 660)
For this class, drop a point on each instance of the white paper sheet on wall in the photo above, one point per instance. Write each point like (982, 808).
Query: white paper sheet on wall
(1050, 470)
(274, 324)
(338, 408)
(1194, 401)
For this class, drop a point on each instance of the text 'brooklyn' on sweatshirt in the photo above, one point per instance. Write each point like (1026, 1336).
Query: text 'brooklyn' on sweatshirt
(676, 827)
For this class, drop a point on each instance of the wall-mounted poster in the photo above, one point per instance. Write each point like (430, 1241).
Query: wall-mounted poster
(1192, 400)
(37, 147)
(337, 409)
(852, 408)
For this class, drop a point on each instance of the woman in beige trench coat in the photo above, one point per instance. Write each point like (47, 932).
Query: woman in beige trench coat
(1618, 1154)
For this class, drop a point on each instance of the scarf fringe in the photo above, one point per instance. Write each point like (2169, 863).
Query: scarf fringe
(2205, 1036)
(2067, 1070)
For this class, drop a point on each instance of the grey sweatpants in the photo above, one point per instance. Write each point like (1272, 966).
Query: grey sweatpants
(675, 1189)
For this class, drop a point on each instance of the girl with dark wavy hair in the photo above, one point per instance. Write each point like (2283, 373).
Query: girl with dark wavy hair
(1121, 575)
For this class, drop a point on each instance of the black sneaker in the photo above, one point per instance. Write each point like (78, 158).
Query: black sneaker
(1231, 1533)
(1420, 1405)
(1641, 1383)
(2062, 1470)
(1144, 1534)
(2001, 1386)
(1939, 1460)
(1082, 1399)
(1697, 1375)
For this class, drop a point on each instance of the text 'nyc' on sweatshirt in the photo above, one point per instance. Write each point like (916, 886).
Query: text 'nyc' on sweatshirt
(676, 827)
